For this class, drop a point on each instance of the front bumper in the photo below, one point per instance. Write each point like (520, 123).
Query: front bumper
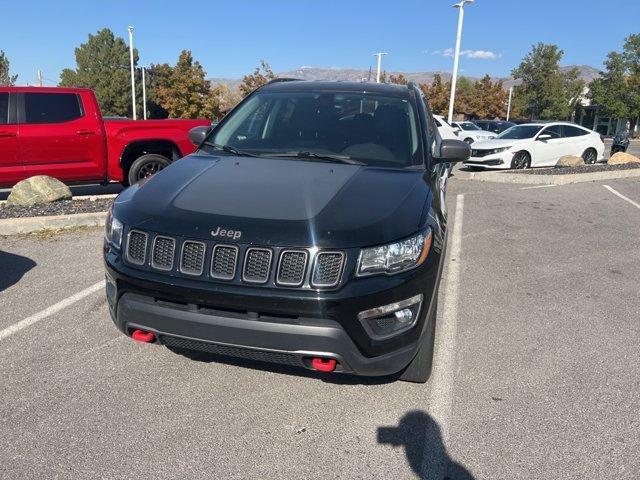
(281, 326)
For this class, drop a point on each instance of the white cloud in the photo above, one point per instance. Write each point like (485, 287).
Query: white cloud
(481, 54)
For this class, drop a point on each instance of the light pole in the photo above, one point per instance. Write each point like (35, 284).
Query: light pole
(454, 76)
(379, 55)
(133, 77)
(509, 103)
(144, 94)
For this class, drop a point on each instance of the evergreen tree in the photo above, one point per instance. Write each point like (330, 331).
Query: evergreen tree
(6, 79)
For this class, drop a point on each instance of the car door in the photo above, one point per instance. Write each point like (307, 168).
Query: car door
(547, 151)
(57, 138)
(11, 170)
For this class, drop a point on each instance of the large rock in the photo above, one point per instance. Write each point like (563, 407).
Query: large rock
(570, 161)
(621, 158)
(38, 189)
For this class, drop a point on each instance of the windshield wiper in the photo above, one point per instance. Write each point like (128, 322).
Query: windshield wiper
(320, 156)
(230, 149)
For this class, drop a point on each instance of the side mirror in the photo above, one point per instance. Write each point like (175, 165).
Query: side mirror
(544, 137)
(198, 134)
(456, 130)
(452, 151)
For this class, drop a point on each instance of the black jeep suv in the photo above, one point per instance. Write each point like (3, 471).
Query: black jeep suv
(309, 229)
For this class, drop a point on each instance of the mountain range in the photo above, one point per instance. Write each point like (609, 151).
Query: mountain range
(587, 73)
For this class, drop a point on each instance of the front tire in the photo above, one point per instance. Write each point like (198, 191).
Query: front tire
(146, 166)
(520, 161)
(419, 369)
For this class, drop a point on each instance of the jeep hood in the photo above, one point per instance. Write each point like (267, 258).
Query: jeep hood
(278, 201)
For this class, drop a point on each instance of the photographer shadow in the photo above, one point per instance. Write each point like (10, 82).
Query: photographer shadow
(421, 438)
(12, 268)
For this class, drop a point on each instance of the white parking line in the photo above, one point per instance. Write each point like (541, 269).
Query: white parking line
(538, 186)
(615, 192)
(441, 381)
(16, 327)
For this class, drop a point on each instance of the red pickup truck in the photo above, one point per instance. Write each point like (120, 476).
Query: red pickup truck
(60, 132)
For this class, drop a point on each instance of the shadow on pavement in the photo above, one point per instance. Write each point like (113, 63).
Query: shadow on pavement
(12, 268)
(337, 378)
(421, 438)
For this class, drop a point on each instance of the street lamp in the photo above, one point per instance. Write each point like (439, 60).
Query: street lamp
(509, 103)
(379, 55)
(133, 77)
(454, 77)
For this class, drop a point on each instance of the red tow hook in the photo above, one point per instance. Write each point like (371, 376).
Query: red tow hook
(323, 364)
(142, 336)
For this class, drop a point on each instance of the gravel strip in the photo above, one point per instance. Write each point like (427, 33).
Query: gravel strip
(63, 207)
(600, 167)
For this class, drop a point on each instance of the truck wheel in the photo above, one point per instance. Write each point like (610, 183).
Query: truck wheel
(145, 166)
(419, 370)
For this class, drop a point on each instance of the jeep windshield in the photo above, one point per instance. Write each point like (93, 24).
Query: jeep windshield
(340, 127)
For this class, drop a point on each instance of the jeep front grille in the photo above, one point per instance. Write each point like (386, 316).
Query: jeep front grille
(137, 247)
(163, 252)
(292, 267)
(192, 258)
(327, 269)
(257, 265)
(223, 262)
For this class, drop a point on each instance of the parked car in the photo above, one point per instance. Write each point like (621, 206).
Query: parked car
(537, 145)
(60, 132)
(495, 126)
(446, 130)
(308, 229)
(470, 132)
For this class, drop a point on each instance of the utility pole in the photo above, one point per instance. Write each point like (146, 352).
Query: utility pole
(509, 104)
(144, 94)
(40, 77)
(456, 56)
(379, 55)
(133, 77)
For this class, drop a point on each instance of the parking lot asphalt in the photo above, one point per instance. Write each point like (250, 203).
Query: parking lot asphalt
(536, 369)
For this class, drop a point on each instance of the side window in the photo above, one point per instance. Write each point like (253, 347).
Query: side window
(571, 131)
(555, 131)
(438, 124)
(4, 108)
(51, 107)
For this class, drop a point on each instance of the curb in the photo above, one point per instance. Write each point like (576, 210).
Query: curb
(18, 226)
(520, 178)
(85, 197)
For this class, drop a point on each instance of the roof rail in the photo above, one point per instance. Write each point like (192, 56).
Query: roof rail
(278, 80)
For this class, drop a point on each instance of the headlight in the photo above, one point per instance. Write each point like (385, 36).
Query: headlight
(113, 230)
(395, 257)
(498, 150)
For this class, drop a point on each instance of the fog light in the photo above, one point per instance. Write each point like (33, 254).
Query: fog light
(393, 319)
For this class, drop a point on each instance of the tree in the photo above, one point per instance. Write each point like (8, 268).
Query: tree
(102, 64)
(261, 75)
(183, 91)
(547, 92)
(437, 94)
(487, 99)
(617, 90)
(6, 79)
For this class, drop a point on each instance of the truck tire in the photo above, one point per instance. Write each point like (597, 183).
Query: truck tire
(419, 370)
(145, 166)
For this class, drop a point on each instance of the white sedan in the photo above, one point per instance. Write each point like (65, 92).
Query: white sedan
(445, 130)
(536, 145)
(470, 132)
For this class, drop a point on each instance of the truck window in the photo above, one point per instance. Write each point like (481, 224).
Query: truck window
(4, 108)
(51, 107)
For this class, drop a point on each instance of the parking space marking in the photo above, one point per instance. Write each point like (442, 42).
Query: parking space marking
(441, 382)
(538, 186)
(41, 315)
(626, 199)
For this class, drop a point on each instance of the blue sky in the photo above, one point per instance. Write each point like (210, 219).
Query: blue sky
(229, 38)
